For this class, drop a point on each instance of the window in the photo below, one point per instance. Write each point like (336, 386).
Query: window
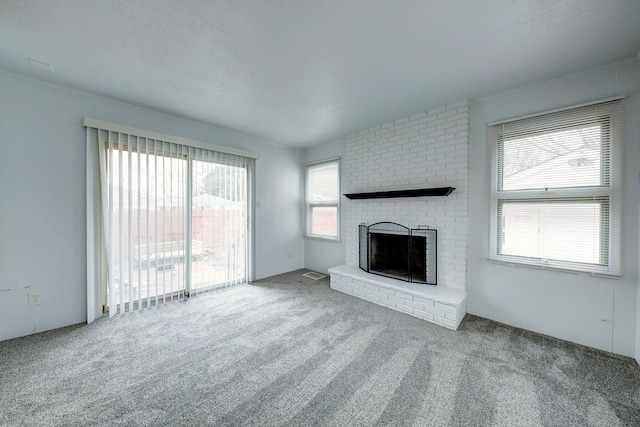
(556, 193)
(322, 199)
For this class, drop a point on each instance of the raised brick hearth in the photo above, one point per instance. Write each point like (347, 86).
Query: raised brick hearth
(438, 304)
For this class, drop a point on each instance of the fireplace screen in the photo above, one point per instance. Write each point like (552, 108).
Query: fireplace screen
(395, 251)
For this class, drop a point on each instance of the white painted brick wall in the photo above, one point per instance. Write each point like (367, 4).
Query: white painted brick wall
(421, 151)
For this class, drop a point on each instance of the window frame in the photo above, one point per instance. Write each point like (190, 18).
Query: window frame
(310, 205)
(608, 193)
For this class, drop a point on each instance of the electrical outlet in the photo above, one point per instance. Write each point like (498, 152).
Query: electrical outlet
(35, 299)
(289, 253)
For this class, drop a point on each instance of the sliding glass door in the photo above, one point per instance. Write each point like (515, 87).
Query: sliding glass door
(175, 221)
(218, 224)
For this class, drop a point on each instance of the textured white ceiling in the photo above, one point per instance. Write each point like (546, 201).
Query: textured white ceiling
(302, 73)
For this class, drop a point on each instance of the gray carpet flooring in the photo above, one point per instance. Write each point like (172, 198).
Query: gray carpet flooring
(288, 350)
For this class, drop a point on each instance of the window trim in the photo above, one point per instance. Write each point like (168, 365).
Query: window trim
(330, 203)
(610, 189)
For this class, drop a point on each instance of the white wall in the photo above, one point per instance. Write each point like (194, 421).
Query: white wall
(637, 141)
(320, 255)
(42, 197)
(638, 320)
(594, 311)
(279, 226)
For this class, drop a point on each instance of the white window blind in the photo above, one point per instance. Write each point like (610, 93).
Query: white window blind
(164, 220)
(323, 199)
(556, 193)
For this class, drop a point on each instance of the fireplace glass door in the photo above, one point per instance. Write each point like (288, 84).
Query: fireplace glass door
(393, 250)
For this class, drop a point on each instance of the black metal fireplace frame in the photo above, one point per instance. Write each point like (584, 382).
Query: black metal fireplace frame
(430, 241)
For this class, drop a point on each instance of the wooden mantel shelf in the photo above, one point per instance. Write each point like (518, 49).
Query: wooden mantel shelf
(423, 192)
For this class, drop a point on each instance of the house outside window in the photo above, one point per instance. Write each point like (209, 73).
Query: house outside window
(323, 199)
(556, 192)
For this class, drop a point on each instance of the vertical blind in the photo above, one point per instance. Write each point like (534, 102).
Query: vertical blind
(165, 220)
(557, 188)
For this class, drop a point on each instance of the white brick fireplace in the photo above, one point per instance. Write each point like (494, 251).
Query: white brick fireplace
(427, 150)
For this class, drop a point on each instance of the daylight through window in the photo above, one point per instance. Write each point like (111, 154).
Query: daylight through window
(322, 199)
(556, 189)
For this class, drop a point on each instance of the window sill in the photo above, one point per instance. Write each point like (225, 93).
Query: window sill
(554, 268)
(323, 239)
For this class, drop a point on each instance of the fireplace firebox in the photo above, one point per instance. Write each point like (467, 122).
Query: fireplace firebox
(393, 250)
